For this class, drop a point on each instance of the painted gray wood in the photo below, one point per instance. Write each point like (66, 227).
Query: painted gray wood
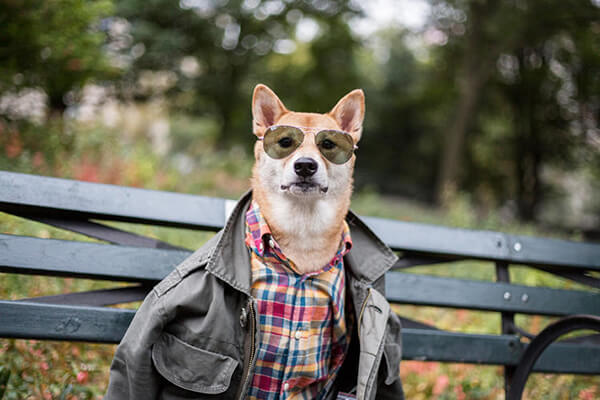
(68, 198)
(109, 262)
(428, 345)
(102, 297)
(27, 255)
(487, 245)
(60, 322)
(108, 325)
(104, 232)
(62, 198)
(479, 295)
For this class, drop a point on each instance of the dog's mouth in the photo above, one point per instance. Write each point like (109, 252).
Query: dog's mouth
(304, 187)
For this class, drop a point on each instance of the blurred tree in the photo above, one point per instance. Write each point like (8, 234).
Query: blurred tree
(549, 78)
(54, 45)
(534, 57)
(213, 52)
(400, 146)
(477, 35)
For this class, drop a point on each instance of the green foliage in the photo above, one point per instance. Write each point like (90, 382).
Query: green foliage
(219, 50)
(54, 45)
(519, 82)
(529, 67)
(502, 102)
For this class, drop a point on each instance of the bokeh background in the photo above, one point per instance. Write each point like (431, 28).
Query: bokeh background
(480, 114)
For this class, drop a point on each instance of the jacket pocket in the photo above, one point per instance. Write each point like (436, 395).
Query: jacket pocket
(190, 367)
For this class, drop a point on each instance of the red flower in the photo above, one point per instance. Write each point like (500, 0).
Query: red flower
(441, 383)
(82, 376)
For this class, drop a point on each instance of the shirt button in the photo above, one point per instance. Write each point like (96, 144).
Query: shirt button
(286, 386)
(298, 335)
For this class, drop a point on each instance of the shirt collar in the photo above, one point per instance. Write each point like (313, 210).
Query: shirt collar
(226, 255)
(260, 240)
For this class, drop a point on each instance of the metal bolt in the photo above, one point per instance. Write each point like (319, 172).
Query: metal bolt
(507, 296)
(524, 298)
(517, 246)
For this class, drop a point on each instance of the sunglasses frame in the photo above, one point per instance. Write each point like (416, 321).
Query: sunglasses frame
(315, 131)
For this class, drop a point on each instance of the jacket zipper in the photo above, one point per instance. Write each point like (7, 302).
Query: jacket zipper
(362, 311)
(252, 351)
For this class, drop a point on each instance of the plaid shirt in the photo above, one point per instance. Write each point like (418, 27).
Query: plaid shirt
(304, 337)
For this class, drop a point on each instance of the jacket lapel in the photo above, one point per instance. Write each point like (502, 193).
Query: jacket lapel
(229, 259)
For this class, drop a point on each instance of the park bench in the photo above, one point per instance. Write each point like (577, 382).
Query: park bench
(142, 261)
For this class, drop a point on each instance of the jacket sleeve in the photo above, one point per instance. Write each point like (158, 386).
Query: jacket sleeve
(132, 375)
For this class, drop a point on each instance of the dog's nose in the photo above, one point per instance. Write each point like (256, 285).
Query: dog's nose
(305, 167)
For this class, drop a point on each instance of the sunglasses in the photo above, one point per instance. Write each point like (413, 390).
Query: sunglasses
(279, 141)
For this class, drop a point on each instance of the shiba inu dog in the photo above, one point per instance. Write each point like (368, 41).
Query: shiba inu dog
(302, 178)
(288, 300)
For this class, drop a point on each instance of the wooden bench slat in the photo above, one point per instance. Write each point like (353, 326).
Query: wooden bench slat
(59, 322)
(27, 255)
(469, 294)
(22, 254)
(97, 298)
(429, 345)
(54, 197)
(497, 246)
(108, 325)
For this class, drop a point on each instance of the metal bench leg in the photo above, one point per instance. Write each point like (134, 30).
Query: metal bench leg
(508, 320)
(543, 340)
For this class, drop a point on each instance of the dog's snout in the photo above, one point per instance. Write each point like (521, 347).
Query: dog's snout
(305, 167)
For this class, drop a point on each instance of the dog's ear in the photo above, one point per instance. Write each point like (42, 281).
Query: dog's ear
(266, 108)
(349, 113)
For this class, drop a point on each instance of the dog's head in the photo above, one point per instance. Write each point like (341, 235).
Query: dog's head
(315, 167)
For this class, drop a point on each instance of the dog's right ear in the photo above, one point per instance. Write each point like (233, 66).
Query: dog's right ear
(266, 109)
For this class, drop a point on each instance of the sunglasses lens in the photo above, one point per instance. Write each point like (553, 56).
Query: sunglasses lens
(282, 141)
(335, 146)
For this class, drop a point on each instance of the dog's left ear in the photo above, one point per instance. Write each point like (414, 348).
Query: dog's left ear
(349, 113)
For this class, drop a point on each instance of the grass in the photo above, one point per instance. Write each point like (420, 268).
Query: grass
(66, 370)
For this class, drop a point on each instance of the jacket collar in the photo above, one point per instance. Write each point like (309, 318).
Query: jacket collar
(228, 259)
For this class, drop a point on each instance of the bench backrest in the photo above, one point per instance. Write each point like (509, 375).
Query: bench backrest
(77, 206)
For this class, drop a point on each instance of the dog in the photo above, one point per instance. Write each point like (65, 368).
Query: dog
(288, 300)
(304, 196)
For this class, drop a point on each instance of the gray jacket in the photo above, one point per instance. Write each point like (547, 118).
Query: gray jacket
(195, 336)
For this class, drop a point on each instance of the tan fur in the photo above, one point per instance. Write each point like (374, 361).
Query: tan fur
(306, 227)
